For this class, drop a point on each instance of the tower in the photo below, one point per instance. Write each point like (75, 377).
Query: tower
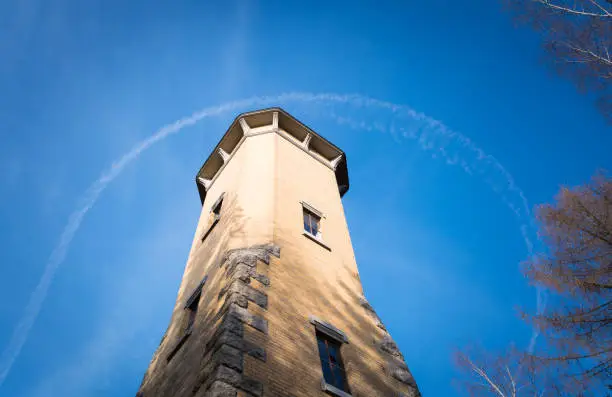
(271, 303)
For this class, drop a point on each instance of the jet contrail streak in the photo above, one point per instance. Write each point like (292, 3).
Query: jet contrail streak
(455, 149)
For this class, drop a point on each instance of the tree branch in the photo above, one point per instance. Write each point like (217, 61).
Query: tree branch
(484, 376)
(511, 381)
(604, 12)
(596, 57)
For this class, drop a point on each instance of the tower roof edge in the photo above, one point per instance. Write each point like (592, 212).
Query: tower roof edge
(272, 120)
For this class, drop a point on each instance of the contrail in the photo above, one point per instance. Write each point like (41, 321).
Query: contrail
(455, 149)
(22, 330)
(430, 134)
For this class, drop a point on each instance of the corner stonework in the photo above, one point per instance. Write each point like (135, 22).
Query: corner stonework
(221, 363)
(396, 366)
(222, 375)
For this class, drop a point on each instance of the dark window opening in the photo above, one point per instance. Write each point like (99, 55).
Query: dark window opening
(214, 216)
(192, 304)
(311, 223)
(192, 310)
(216, 210)
(331, 362)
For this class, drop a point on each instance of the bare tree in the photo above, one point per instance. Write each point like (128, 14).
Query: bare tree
(512, 374)
(577, 268)
(574, 356)
(578, 35)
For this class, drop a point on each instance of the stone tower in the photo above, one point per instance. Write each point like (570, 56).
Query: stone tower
(271, 303)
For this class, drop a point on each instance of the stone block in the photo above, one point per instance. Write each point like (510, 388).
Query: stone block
(221, 389)
(255, 321)
(388, 345)
(261, 278)
(252, 386)
(229, 356)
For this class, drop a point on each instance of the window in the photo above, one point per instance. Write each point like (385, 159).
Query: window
(192, 305)
(215, 212)
(213, 216)
(312, 223)
(331, 362)
(216, 209)
(329, 340)
(193, 311)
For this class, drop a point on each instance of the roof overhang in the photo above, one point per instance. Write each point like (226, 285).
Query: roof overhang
(272, 120)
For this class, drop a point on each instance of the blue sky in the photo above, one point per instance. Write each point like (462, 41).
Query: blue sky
(85, 82)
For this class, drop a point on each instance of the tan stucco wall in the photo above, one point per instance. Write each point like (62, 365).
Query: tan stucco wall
(247, 214)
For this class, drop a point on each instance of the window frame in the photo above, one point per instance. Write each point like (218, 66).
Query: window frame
(331, 364)
(215, 210)
(329, 333)
(192, 309)
(216, 207)
(311, 216)
(191, 306)
(313, 212)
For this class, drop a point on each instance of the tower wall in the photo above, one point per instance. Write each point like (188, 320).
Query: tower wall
(268, 285)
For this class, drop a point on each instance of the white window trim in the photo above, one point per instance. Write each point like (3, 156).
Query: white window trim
(333, 390)
(318, 238)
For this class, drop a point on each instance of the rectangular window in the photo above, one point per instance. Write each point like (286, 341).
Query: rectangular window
(215, 212)
(331, 362)
(217, 207)
(193, 311)
(312, 223)
(213, 216)
(192, 305)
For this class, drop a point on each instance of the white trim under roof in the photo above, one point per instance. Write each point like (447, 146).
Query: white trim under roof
(271, 121)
